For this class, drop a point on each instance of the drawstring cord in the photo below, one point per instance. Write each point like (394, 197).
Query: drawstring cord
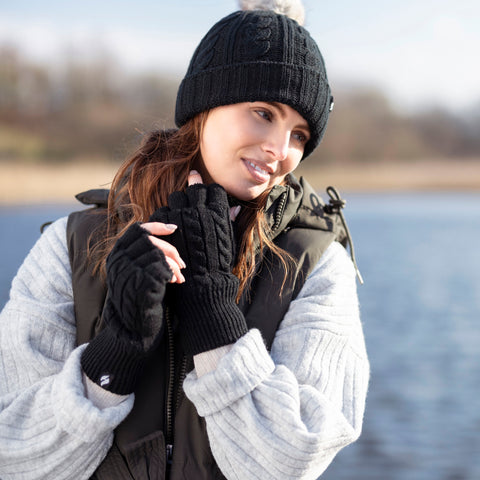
(335, 205)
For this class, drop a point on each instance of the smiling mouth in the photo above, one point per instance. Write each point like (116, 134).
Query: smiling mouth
(257, 168)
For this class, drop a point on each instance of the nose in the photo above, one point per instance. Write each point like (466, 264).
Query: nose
(277, 144)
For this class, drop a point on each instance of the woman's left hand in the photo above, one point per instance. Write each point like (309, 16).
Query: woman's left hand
(206, 302)
(157, 229)
(194, 177)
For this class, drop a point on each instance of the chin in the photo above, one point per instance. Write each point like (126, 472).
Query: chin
(245, 194)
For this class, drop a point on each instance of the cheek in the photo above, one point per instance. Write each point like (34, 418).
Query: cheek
(209, 149)
(216, 162)
(292, 163)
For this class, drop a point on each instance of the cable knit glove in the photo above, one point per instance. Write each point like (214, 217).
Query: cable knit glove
(137, 274)
(205, 303)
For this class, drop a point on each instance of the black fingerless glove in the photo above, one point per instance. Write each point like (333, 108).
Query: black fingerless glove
(206, 303)
(137, 274)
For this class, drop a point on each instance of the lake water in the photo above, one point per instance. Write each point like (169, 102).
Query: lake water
(419, 256)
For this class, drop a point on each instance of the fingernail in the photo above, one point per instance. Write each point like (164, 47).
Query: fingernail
(234, 212)
(173, 279)
(194, 172)
(183, 264)
(170, 226)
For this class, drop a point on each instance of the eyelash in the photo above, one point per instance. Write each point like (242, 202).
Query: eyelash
(265, 114)
(303, 140)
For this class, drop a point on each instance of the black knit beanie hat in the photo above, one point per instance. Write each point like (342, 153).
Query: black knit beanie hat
(258, 56)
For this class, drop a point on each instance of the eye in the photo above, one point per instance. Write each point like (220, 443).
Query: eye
(300, 137)
(265, 114)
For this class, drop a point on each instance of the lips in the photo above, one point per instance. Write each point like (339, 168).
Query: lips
(260, 167)
(260, 174)
(257, 168)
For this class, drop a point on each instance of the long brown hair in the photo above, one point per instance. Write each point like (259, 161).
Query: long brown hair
(161, 166)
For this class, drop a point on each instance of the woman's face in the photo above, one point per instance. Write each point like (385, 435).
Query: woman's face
(250, 147)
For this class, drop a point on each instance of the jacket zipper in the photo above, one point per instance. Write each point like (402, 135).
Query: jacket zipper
(174, 395)
(173, 400)
(282, 203)
(170, 390)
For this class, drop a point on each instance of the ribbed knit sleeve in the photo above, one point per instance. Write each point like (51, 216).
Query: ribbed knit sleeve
(287, 414)
(49, 430)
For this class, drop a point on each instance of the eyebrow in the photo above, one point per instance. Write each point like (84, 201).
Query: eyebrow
(279, 107)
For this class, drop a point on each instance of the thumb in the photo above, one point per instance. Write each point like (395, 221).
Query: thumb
(194, 177)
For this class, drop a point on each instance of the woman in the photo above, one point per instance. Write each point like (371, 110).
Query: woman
(195, 330)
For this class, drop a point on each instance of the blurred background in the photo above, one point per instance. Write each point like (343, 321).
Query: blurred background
(81, 81)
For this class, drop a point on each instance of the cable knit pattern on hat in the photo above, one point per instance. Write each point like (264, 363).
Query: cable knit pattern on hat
(258, 56)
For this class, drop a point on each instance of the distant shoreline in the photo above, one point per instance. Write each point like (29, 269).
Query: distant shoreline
(420, 175)
(22, 183)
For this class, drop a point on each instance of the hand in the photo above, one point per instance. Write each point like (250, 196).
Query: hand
(156, 229)
(205, 235)
(172, 256)
(205, 302)
(194, 178)
(137, 275)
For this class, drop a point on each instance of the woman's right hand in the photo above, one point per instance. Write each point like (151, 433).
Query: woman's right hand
(172, 256)
(137, 276)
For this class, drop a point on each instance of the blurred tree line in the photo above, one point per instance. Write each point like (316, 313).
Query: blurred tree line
(91, 108)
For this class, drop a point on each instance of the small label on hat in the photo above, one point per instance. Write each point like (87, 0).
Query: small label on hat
(105, 380)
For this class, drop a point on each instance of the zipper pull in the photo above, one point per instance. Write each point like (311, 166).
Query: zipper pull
(169, 454)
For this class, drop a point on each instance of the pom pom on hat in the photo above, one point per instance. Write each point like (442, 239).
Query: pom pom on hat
(291, 8)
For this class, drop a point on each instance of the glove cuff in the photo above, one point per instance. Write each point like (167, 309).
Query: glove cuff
(210, 318)
(113, 363)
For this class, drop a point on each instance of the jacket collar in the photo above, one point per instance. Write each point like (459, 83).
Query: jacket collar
(296, 205)
(282, 204)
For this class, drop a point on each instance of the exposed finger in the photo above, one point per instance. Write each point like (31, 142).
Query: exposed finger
(177, 274)
(168, 249)
(159, 228)
(194, 177)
